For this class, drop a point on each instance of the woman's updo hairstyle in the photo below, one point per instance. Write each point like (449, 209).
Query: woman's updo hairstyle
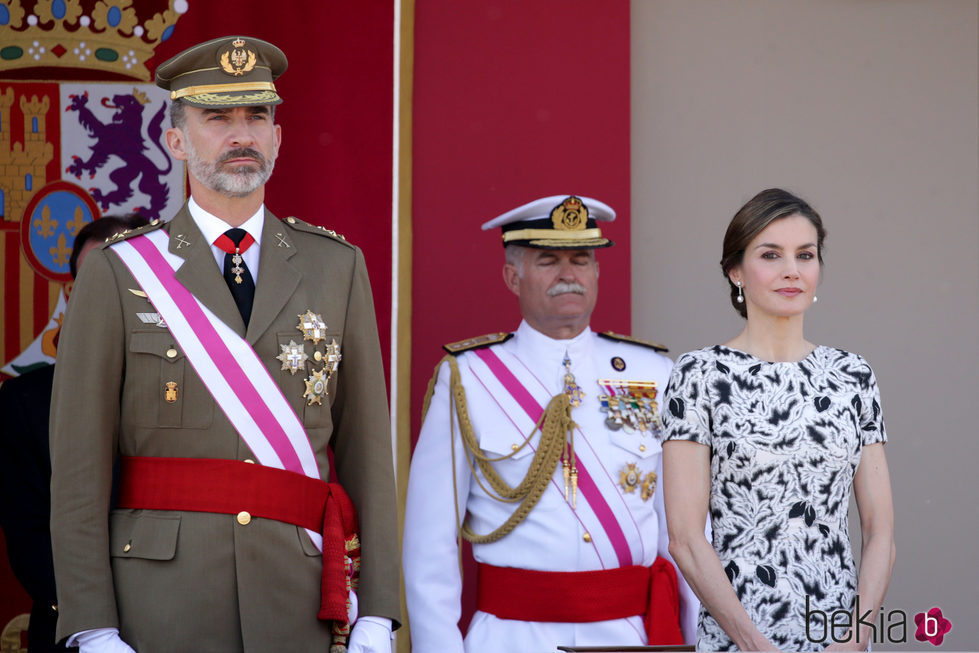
(751, 219)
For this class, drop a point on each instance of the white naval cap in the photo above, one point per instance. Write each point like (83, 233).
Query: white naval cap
(555, 222)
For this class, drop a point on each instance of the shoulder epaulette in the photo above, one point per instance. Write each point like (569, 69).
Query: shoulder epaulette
(301, 225)
(155, 223)
(611, 335)
(456, 348)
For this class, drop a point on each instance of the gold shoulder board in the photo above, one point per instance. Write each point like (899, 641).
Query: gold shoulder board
(301, 225)
(155, 223)
(611, 335)
(456, 348)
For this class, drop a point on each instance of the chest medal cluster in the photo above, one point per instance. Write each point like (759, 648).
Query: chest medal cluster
(631, 406)
(294, 357)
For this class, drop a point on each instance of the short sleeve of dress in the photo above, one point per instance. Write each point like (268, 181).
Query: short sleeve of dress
(871, 416)
(688, 413)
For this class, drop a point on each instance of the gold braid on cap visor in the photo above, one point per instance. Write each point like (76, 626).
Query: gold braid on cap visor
(551, 234)
(206, 89)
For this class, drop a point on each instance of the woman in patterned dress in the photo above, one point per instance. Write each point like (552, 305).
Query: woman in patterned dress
(770, 433)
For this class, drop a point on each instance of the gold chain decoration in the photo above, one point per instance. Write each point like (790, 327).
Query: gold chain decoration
(556, 441)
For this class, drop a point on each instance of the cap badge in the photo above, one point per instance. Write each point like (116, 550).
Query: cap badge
(237, 60)
(170, 392)
(570, 215)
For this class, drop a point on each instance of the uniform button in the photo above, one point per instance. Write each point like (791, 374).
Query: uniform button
(317, 356)
(127, 548)
(171, 353)
(291, 220)
(244, 517)
(586, 537)
(514, 447)
(249, 461)
(642, 447)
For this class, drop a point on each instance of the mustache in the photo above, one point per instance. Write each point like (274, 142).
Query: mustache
(562, 287)
(243, 152)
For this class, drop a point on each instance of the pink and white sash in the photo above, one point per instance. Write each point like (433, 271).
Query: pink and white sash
(602, 513)
(230, 369)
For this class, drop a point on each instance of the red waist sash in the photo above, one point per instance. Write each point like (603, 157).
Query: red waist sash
(231, 486)
(583, 596)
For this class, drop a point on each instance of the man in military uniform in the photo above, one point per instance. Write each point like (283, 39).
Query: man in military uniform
(219, 396)
(542, 447)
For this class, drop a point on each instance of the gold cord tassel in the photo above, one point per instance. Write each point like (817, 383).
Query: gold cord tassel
(554, 425)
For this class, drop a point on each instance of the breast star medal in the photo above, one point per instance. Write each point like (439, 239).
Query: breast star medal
(648, 486)
(293, 357)
(332, 358)
(629, 477)
(316, 387)
(312, 326)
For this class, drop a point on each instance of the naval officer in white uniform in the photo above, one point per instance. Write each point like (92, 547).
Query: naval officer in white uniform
(543, 448)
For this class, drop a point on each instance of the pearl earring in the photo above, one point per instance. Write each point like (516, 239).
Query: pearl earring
(815, 299)
(740, 296)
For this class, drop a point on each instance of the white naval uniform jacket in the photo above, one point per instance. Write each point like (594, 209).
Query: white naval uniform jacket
(554, 536)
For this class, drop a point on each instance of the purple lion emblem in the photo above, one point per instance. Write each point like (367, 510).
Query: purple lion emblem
(123, 138)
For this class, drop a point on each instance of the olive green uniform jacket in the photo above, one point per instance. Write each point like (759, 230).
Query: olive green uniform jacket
(192, 581)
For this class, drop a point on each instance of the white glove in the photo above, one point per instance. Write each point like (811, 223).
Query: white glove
(352, 610)
(370, 635)
(100, 640)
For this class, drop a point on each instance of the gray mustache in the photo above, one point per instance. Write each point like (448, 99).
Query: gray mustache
(243, 152)
(562, 287)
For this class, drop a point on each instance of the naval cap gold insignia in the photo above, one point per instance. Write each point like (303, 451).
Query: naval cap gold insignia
(570, 215)
(556, 222)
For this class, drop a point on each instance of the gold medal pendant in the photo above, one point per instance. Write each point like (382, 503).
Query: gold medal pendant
(571, 388)
(236, 262)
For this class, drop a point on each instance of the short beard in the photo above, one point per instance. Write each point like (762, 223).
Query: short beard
(239, 182)
(562, 287)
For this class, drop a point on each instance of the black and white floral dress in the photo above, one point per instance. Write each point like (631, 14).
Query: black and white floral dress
(785, 443)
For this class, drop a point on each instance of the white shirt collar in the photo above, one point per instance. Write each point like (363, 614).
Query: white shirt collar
(212, 226)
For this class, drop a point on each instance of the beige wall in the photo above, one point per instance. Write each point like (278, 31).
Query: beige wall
(868, 109)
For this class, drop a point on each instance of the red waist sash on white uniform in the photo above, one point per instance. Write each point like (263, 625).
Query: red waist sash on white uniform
(599, 516)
